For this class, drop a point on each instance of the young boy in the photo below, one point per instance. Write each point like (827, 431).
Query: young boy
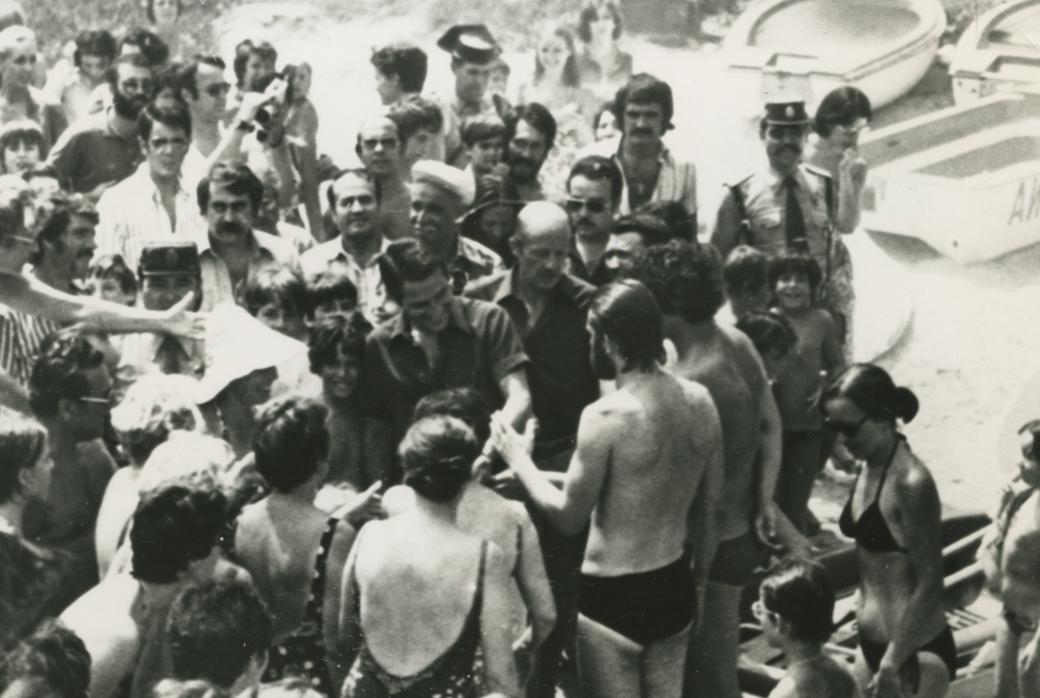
(484, 138)
(816, 356)
(113, 281)
(331, 296)
(795, 607)
(745, 278)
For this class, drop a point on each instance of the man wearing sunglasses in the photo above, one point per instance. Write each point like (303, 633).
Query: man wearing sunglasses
(594, 189)
(205, 90)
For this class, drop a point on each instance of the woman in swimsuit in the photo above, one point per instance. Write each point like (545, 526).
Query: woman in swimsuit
(420, 596)
(893, 514)
(294, 551)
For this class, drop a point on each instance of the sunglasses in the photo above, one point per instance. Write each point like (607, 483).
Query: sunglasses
(592, 206)
(217, 89)
(844, 428)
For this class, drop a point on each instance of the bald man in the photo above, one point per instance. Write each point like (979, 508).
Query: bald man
(381, 149)
(549, 308)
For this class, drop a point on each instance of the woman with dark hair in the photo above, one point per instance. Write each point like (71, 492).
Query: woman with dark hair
(420, 596)
(556, 83)
(22, 146)
(604, 123)
(603, 66)
(294, 551)
(893, 514)
(164, 17)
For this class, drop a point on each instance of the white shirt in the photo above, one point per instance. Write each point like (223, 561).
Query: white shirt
(267, 251)
(368, 280)
(131, 213)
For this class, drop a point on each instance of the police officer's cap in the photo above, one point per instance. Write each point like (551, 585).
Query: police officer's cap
(471, 43)
(165, 257)
(786, 114)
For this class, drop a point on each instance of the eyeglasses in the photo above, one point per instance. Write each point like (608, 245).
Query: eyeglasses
(134, 85)
(217, 89)
(593, 206)
(106, 400)
(844, 428)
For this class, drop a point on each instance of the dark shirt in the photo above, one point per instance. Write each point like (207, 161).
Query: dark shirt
(597, 276)
(477, 349)
(560, 373)
(90, 153)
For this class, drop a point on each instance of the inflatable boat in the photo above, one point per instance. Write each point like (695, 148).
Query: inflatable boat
(999, 51)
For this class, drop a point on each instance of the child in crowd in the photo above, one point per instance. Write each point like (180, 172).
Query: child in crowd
(498, 78)
(484, 138)
(22, 146)
(817, 356)
(795, 607)
(112, 280)
(745, 277)
(331, 296)
(773, 337)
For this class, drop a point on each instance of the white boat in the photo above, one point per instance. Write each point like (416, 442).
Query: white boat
(965, 180)
(883, 47)
(998, 51)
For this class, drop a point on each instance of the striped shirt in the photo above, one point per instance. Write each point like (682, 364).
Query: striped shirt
(21, 336)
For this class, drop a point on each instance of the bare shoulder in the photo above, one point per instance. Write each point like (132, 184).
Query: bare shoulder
(696, 394)
(785, 689)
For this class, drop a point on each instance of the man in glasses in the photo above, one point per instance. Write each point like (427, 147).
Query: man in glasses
(18, 58)
(205, 90)
(103, 149)
(70, 391)
(381, 149)
(154, 201)
(594, 189)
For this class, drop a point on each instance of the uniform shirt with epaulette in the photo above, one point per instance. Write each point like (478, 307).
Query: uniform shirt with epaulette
(763, 197)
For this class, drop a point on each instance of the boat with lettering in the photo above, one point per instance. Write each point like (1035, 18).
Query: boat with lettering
(883, 47)
(998, 51)
(965, 180)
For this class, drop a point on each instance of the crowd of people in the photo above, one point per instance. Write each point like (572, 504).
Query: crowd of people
(417, 424)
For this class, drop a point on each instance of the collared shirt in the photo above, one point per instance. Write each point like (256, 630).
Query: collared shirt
(132, 212)
(676, 178)
(368, 279)
(90, 153)
(477, 349)
(764, 198)
(599, 275)
(265, 251)
(473, 261)
(560, 373)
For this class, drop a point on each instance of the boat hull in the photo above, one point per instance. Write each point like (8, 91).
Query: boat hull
(998, 52)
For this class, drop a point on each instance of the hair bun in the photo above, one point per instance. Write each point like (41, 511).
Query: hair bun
(904, 404)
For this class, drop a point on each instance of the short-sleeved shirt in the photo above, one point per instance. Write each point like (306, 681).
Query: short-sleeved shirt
(266, 251)
(560, 374)
(368, 280)
(676, 179)
(477, 349)
(90, 153)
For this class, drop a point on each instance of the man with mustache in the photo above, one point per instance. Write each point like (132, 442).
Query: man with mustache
(594, 189)
(230, 198)
(102, 149)
(154, 201)
(786, 206)
(549, 309)
(530, 134)
(651, 172)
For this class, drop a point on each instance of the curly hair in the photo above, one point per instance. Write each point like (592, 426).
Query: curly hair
(174, 526)
(152, 407)
(685, 279)
(330, 339)
(53, 655)
(58, 372)
(437, 455)
(291, 442)
(406, 62)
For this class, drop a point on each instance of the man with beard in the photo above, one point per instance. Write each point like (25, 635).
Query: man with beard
(354, 201)
(646, 471)
(651, 172)
(19, 99)
(530, 134)
(230, 197)
(104, 148)
(381, 149)
(440, 194)
(593, 193)
(472, 50)
(153, 202)
(549, 309)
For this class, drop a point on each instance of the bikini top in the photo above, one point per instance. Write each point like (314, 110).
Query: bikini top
(871, 531)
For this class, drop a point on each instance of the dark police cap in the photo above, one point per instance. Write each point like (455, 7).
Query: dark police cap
(471, 43)
(786, 114)
(169, 257)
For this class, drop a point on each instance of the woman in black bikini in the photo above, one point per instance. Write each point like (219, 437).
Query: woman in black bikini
(906, 647)
(294, 551)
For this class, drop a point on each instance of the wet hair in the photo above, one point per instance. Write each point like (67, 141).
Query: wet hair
(149, 10)
(800, 593)
(153, 49)
(872, 390)
(52, 655)
(771, 333)
(196, 688)
(237, 178)
(265, 50)
(95, 42)
(481, 128)
(152, 407)
(54, 221)
(570, 74)
(591, 12)
(405, 261)
(644, 88)
(682, 225)
(113, 266)
(22, 132)
(215, 629)
(173, 526)
(173, 116)
(651, 228)
(535, 115)
(746, 269)
(626, 313)
(22, 443)
(190, 72)
(278, 285)
(58, 372)
(406, 62)
(328, 340)
(685, 279)
(437, 454)
(415, 113)
(789, 264)
(360, 172)
(291, 442)
(464, 404)
(331, 284)
(599, 169)
(841, 107)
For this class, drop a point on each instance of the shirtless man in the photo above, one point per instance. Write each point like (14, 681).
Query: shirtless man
(647, 469)
(686, 282)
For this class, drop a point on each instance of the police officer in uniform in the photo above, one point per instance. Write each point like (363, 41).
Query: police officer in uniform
(473, 51)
